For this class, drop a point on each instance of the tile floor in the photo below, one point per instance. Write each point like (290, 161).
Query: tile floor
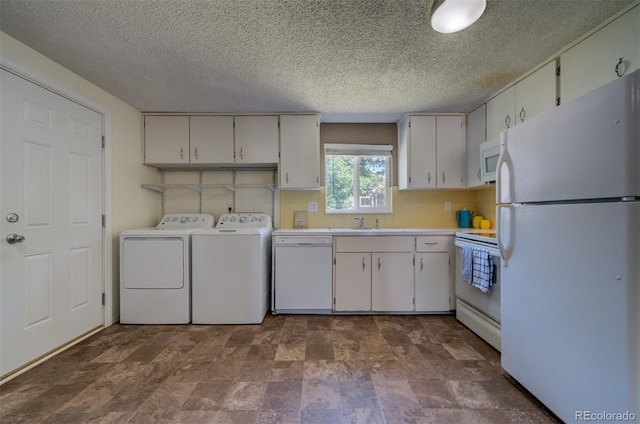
(290, 369)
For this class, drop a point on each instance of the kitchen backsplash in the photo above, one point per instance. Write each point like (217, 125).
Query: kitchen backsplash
(411, 209)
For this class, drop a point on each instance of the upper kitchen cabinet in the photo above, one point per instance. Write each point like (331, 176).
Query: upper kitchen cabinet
(476, 134)
(607, 54)
(522, 101)
(300, 152)
(257, 139)
(166, 140)
(211, 139)
(431, 152)
(450, 151)
(536, 93)
(501, 112)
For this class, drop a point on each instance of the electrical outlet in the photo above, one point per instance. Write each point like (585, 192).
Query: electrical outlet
(447, 206)
(312, 207)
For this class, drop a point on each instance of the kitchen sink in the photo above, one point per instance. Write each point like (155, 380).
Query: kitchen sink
(368, 230)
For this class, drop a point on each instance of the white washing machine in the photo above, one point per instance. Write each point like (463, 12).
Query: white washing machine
(232, 270)
(155, 270)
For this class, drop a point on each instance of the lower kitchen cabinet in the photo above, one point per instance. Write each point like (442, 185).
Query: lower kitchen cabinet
(432, 275)
(432, 282)
(392, 282)
(374, 274)
(353, 282)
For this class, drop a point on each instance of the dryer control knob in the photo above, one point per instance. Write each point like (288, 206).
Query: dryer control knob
(243, 219)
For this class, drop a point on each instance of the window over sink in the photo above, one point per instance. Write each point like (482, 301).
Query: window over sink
(357, 178)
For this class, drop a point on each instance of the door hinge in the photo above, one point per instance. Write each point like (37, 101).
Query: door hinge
(334, 261)
(103, 142)
(104, 299)
(558, 71)
(104, 220)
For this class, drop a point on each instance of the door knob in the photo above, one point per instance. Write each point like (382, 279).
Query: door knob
(15, 238)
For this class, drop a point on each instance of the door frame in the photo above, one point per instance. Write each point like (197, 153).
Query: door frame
(48, 83)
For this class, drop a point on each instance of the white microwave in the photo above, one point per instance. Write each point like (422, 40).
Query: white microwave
(489, 154)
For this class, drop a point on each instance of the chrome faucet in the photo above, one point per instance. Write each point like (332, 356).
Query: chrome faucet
(360, 222)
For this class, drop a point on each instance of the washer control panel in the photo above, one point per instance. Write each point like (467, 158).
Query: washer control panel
(236, 221)
(186, 220)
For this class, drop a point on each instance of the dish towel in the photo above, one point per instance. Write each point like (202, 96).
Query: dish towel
(467, 264)
(482, 269)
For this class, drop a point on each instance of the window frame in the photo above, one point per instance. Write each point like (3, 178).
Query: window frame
(357, 152)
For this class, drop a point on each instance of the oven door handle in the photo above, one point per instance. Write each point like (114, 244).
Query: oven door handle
(493, 251)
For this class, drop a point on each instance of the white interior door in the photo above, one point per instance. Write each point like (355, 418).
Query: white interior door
(51, 182)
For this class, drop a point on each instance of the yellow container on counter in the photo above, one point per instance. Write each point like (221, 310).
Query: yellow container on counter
(475, 223)
(485, 224)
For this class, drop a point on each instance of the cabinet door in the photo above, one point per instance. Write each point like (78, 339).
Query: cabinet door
(536, 93)
(476, 126)
(392, 282)
(450, 148)
(592, 63)
(166, 139)
(211, 139)
(432, 282)
(300, 152)
(501, 112)
(257, 139)
(353, 282)
(422, 152)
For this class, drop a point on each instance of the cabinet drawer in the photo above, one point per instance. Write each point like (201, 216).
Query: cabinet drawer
(374, 244)
(432, 244)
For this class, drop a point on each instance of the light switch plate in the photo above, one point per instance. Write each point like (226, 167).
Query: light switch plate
(447, 206)
(312, 206)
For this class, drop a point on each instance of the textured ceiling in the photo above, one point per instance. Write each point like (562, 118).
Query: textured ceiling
(351, 60)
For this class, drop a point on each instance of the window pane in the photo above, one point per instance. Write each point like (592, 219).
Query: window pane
(339, 181)
(372, 182)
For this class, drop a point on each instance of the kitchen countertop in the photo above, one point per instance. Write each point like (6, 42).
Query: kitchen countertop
(379, 232)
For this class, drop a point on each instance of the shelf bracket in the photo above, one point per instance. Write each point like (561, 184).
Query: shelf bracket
(152, 187)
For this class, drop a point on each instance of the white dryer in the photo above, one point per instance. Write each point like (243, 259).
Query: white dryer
(232, 270)
(155, 270)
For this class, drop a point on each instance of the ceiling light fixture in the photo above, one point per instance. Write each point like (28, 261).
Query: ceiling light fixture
(454, 15)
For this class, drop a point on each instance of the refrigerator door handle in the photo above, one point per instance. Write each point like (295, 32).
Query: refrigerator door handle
(505, 222)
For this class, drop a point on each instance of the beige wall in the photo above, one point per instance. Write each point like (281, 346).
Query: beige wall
(131, 205)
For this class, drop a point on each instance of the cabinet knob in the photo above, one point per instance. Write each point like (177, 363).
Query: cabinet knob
(195, 153)
(182, 153)
(428, 177)
(286, 177)
(507, 121)
(523, 115)
(421, 264)
(479, 179)
(443, 178)
(241, 155)
(363, 264)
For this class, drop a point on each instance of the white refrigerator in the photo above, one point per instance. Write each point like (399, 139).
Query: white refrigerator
(568, 207)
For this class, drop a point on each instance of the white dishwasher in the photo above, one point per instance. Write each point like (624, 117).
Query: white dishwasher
(303, 273)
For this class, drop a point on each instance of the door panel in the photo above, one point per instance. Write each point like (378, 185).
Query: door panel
(51, 178)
